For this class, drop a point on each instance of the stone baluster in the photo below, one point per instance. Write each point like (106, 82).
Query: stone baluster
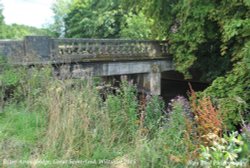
(87, 47)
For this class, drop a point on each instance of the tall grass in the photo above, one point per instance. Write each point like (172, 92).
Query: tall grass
(74, 120)
(49, 119)
(82, 126)
(79, 125)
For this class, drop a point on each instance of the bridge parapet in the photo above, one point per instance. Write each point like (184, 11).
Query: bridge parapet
(108, 49)
(42, 50)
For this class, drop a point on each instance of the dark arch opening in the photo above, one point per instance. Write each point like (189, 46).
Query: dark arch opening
(174, 84)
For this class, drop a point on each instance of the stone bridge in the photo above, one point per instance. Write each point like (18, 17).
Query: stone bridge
(78, 58)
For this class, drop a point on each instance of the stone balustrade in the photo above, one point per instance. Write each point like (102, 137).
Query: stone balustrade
(42, 50)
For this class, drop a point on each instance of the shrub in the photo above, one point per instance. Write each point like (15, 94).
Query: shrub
(232, 93)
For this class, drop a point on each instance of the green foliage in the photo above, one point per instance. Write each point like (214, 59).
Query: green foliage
(223, 152)
(99, 19)
(20, 124)
(1, 13)
(9, 80)
(154, 114)
(2, 24)
(246, 146)
(19, 83)
(85, 127)
(194, 26)
(136, 26)
(232, 91)
(122, 110)
(69, 121)
(170, 146)
(94, 19)
(33, 86)
(16, 31)
(212, 38)
(19, 132)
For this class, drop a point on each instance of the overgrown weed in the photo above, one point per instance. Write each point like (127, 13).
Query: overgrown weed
(49, 119)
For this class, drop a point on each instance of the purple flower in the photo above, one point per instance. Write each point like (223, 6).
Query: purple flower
(184, 103)
(246, 129)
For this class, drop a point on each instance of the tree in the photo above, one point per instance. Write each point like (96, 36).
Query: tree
(1, 14)
(60, 9)
(2, 24)
(16, 31)
(99, 19)
(94, 18)
(136, 26)
(211, 37)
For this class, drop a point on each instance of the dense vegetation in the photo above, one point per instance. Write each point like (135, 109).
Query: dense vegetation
(45, 122)
(51, 119)
(211, 37)
(99, 19)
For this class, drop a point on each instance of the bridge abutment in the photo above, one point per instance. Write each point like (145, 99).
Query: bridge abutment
(155, 80)
(151, 81)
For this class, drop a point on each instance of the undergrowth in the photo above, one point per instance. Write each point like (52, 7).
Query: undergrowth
(66, 123)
